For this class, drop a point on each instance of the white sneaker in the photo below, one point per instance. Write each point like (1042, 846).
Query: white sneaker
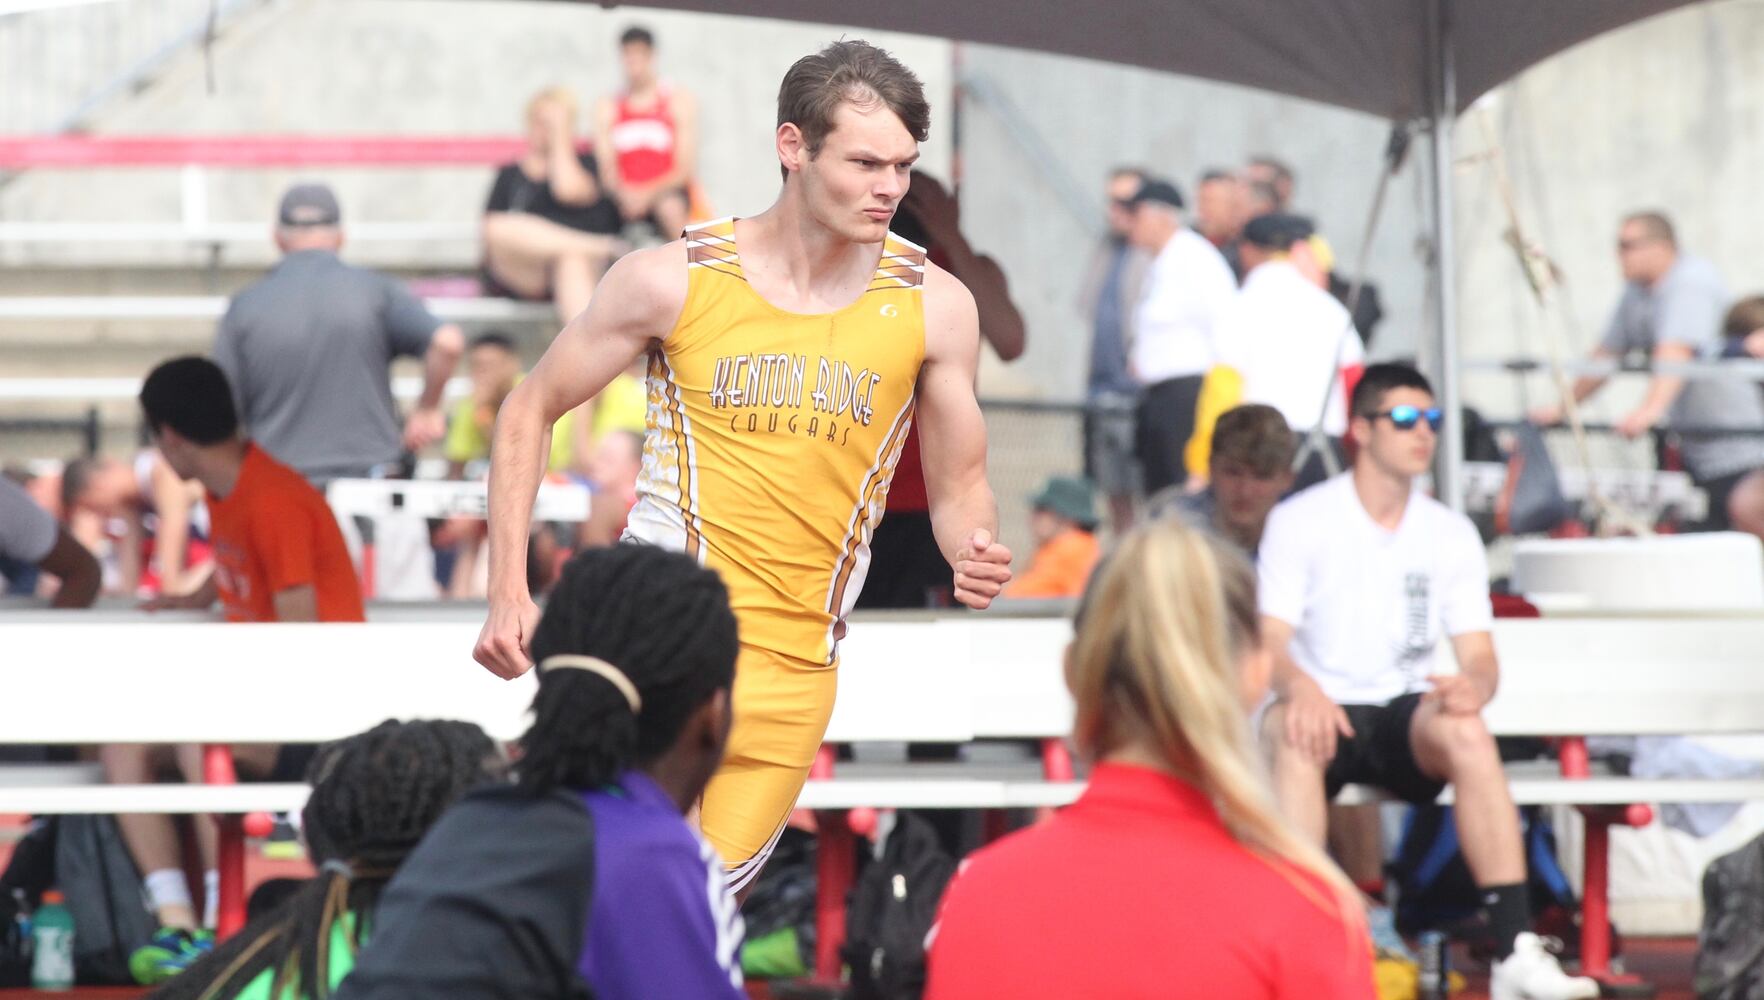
(1532, 973)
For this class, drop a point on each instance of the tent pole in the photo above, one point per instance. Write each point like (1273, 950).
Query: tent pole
(1442, 87)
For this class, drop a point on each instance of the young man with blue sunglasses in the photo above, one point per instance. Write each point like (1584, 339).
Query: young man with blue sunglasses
(1361, 577)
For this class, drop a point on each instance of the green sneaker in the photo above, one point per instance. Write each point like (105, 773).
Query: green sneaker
(171, 951)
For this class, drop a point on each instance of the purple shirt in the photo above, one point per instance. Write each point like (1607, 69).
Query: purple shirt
(662, 922)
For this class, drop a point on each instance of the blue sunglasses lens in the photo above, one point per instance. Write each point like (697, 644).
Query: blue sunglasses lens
(1405, 417)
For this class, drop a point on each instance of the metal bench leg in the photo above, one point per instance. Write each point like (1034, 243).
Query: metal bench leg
(835, 869)
(1595, 907)
(1595, 903)
(217, 769)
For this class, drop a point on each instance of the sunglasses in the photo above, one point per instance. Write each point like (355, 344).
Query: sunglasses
(1405, 418)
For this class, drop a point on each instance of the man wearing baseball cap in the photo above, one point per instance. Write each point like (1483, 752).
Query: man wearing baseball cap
(308, 347)
(1284, 341)
(1187, 288)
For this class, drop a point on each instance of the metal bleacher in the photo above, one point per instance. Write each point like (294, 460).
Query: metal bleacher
(87, 306)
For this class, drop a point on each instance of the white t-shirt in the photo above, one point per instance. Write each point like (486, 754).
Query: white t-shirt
(1369, 606)
(1186, 289)
(27, 532)
(1289, 340)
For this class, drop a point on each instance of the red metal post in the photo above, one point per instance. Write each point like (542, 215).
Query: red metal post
(217, 769)
(835, 869)
(1595, 912)
(1571, 750)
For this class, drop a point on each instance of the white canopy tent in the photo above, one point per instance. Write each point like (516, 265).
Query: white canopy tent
(1405, 60)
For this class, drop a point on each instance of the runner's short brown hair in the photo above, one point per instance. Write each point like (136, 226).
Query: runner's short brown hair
(855, 72)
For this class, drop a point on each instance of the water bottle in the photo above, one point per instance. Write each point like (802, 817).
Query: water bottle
(1435, 979)
(52, 945)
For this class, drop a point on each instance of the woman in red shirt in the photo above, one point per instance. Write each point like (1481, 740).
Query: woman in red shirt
(1172, 876)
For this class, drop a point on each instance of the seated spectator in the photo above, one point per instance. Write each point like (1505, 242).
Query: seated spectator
(586, 876)
(1362, 577)
(591, 444)
(1743, 329)
(494, 368)
(1187, 288)
(154, 521)
(1252, 454)
(1671, 310)
(1283, 341)
(549, 228)
(1744, 332)
(650, 132)
(279, 556)
(278, 552)
(1064, 526)
(618, 459)
(31, 541)
(1173, 874)
(373, 797)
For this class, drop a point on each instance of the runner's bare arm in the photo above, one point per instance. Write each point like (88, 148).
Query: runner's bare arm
(634, 307)
(964, 515)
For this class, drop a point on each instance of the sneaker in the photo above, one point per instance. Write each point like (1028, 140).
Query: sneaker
(169, 952)
(1532, 973)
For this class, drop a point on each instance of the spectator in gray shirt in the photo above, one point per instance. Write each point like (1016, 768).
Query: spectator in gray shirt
(308, 349)
(1671, 310)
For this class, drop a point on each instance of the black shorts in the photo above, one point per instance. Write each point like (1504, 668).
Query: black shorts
(1380, 753)
(907, 569)
(1718, 490)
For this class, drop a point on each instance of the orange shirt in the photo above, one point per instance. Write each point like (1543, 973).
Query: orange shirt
(274, 532)
(1060, 568)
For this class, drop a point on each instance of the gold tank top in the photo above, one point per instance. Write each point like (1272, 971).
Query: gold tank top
(772, 436)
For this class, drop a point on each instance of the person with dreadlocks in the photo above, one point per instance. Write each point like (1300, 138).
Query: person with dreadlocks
(584, 879)
(374, 795)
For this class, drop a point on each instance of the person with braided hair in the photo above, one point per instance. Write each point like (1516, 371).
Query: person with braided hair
(584, 879)
(374, 795)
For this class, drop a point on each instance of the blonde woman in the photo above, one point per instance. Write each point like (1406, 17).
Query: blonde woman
(1173, 876)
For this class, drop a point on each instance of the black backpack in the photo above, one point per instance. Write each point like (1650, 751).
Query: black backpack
(1730, 949)
(105, 897)
(892, 909)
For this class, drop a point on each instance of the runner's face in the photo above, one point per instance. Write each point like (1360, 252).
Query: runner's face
(856, 182)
